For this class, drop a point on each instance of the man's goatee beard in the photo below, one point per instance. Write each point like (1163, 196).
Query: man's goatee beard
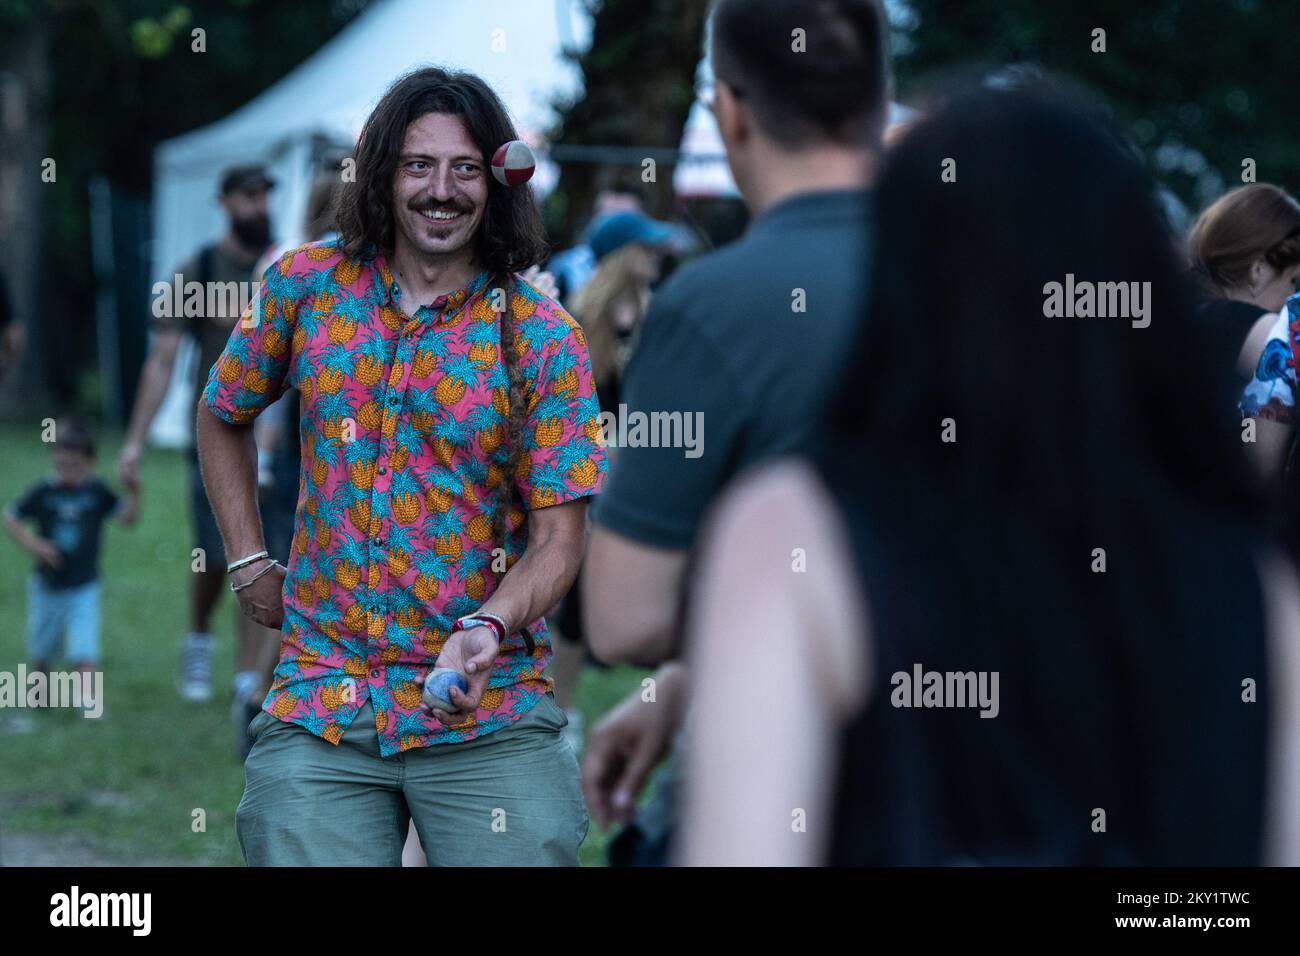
(252, 233)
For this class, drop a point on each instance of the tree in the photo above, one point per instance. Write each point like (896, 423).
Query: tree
(639, 86)
(1200, 85)
(95, 85)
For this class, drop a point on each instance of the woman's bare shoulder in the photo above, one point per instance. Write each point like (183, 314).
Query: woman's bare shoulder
(773, 500)
(778, 535)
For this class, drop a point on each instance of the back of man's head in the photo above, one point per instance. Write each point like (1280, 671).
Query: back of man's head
(812, 71)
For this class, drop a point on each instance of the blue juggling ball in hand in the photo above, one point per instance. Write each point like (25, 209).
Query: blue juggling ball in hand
(438, 685)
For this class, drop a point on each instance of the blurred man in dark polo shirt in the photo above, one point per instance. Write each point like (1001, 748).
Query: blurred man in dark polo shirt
(243, 196)
(743, 343)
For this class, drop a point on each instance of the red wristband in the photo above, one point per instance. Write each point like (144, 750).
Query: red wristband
(498, 625)
(474, 620)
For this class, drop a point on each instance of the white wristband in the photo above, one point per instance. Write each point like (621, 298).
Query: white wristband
(244, 562)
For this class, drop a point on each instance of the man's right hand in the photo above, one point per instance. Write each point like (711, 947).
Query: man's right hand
(625, 746)
(263, 600)
(128, 465)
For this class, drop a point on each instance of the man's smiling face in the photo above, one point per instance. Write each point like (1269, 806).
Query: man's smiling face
(440, 187)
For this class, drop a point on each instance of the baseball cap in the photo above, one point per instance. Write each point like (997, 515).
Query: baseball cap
(247, 177)
(616, 230)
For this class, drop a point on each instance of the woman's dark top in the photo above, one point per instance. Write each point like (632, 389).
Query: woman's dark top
(1142, 718)
(1231, 321)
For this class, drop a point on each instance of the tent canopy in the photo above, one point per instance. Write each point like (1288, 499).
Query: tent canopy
(517, 48)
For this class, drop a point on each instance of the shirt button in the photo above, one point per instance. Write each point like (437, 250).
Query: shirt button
(383, 470)
(379, 542)
(393, 400)
(375, 673)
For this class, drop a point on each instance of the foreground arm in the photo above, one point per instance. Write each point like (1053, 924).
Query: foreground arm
(630, 741)
(631, 593)
(771, 643)
(1282, 816)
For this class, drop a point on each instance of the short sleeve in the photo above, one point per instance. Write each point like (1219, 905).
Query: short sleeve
(26, 506)
(1270, 393)
(566, 459)
(253, 369)
(665, 473)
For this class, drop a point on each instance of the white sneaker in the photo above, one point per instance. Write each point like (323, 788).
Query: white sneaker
(194, 679)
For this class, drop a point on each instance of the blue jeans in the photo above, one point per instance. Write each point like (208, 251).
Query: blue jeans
(56, 613)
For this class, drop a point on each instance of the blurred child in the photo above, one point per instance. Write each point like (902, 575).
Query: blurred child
(68, 507)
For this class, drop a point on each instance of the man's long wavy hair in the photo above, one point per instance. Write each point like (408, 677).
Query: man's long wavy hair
(510, 237)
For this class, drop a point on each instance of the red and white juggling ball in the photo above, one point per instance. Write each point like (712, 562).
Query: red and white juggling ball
(513, 163)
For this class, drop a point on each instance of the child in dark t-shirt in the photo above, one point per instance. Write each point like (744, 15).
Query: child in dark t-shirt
(68, 507)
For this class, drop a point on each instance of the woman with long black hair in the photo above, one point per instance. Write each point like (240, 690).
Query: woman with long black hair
(1015, 606)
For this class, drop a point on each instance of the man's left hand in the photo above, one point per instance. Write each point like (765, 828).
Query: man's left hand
(472, 652)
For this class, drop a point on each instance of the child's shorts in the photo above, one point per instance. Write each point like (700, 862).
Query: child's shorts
(53, 613)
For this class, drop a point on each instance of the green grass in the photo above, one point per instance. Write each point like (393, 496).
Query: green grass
(125, 789)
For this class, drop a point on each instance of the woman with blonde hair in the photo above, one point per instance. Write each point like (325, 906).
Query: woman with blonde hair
(629, 249)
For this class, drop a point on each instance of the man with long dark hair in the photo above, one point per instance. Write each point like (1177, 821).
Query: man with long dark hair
(448, 416)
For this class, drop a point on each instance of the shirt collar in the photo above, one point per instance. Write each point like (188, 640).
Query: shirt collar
(448, 302)
(819, 204)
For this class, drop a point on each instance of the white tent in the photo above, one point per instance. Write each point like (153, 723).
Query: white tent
(517, 46)
(702, 169)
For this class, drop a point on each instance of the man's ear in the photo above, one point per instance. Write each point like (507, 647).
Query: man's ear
(734, 120)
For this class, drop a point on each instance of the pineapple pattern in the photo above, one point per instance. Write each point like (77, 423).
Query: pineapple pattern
(405, 446)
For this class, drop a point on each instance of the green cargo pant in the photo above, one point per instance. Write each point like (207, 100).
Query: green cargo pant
(509, 798)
